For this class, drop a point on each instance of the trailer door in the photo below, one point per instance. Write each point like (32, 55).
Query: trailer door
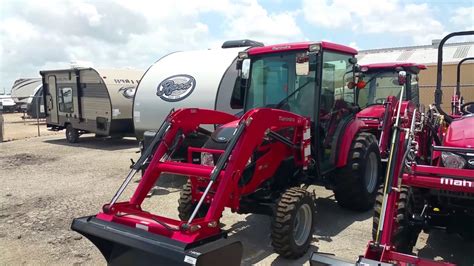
(52, 100)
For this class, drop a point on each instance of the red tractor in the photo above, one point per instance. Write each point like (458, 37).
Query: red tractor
(375, 84)
(429, 183)
(295, 131)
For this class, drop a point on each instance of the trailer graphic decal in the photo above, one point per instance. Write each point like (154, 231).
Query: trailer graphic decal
(176, 88)
(128, 91)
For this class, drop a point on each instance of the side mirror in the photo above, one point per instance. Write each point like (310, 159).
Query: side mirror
(353, 60)
(402, 77)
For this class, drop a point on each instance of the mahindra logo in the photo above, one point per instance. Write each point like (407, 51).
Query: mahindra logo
(176, 88)
(455, 182)
(286, 119)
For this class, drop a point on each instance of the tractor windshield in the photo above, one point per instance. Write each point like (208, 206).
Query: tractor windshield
(379, 86)
(274, 82)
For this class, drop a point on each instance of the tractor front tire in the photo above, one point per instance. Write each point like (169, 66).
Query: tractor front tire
(186, 205)
(356, 184)
(293, 223)
(405, 235)
(72, 135)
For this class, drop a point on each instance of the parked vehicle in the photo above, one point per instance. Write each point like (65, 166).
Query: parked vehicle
(88, 100)
(202, 79)
(24, 90)
(429, 183)
(295, 131)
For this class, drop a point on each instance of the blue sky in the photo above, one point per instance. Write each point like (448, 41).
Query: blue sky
(38, 35)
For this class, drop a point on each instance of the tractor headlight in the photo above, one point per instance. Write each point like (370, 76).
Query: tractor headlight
(207, 159)
(452, 160)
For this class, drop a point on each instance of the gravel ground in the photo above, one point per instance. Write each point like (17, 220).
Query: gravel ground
(17, 128)
(46, 182)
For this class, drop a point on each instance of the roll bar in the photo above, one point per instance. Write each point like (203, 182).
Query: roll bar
(439, 70)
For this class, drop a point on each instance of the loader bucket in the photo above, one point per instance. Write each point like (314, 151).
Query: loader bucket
(124, 245)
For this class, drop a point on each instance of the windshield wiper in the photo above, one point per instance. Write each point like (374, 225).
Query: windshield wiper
(280, 104)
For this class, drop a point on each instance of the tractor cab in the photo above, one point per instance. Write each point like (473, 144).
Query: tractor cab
(376, 82)
(309, 79)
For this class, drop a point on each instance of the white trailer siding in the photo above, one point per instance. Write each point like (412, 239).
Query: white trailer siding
(211, 70)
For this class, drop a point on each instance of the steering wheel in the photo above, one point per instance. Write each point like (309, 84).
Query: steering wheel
(467, 108)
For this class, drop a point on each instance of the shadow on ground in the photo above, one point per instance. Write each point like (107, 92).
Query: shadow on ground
(448, 247)
(91, 142)
(332, 219)
(254, 232)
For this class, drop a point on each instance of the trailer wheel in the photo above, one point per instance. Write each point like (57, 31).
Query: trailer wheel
(293, 223)
(356, 184)
(186, 204)
(72, 135)
(405, 235)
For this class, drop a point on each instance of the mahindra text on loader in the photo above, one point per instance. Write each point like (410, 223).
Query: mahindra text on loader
(429, 183)
(295, 132)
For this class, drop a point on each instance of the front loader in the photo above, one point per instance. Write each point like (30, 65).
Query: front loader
(425, 189)
(295, 131)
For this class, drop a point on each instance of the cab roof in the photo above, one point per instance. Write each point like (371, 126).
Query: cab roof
(301, 46)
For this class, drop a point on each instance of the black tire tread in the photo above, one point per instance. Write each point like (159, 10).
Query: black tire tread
(350, 191)
(282, 225)
(405, 236)
(185, 202)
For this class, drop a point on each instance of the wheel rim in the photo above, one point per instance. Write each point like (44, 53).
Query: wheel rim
(302, 224)
(371, 172)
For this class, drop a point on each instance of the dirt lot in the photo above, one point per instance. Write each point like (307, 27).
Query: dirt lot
(17, 128)
(46, 182)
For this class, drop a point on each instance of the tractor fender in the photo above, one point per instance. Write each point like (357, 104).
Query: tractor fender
(346, 138)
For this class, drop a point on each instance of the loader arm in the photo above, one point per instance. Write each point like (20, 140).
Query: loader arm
(124, 232)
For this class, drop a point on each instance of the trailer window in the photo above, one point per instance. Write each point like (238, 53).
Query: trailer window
(65, 100)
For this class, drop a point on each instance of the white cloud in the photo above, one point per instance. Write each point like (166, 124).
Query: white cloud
(463, 17)
(255, 22)
(415, 21)
(37, 35)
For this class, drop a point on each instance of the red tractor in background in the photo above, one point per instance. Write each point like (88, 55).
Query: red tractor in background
(296, 131)
(375, 83)
(429, 183)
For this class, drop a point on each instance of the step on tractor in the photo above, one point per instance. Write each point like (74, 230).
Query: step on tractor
(429, 183)
(296, 130)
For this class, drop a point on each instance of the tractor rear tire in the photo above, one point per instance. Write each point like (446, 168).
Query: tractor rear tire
(186, 205)
(293, 223)
(356, 184)
(72, 135)
(405, 235)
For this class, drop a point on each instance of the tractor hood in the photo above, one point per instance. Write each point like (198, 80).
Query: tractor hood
(372, 111)
(225, 132)
(461, 133)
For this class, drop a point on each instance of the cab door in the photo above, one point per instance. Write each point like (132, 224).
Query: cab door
(51, 100)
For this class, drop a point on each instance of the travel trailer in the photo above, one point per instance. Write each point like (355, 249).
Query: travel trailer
(201, 79)
(24, 91)
(89, 100)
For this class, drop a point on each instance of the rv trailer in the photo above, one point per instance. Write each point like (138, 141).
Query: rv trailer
(88, 100)
(24, 90)
(201, 79)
